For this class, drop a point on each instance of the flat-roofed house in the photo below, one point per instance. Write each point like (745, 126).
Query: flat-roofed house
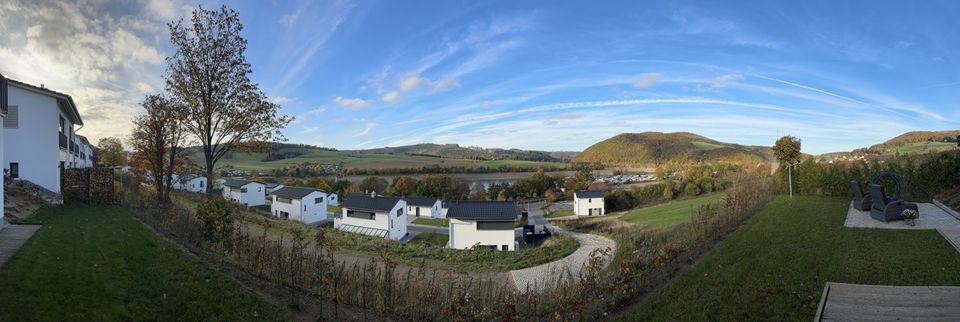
(482, 224)
(423, 207)
(245, 192)
(588, 203)
(373, 215)
(306, 205)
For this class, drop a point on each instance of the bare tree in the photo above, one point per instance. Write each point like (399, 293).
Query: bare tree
(222, 107)
(158, 138)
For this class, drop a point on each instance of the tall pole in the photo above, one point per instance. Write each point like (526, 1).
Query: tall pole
(790, 177)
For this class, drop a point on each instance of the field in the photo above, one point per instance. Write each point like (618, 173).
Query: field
(98, 263)
(671, 213)
(254, 161)
(921, 147)
(775, 267)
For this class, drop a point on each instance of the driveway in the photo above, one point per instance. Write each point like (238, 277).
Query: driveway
(427, 229)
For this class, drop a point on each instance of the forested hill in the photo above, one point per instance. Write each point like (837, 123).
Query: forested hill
(455, 151)
(649, 149)
(921, 136)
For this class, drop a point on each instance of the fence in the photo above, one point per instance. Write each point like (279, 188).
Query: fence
(88, 186)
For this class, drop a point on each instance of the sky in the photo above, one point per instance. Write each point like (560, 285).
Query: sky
(544, 75)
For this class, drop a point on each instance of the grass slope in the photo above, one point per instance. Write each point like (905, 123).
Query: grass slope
(775, 267)
(98, 263)
(645, 149)
(438, 222)
(671, 213)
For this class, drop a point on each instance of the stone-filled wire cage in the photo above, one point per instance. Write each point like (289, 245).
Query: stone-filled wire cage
(90, 186)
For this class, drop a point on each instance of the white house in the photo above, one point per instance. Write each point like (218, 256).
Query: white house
(244, 192)
(306, 205)
(373, 215)
(588, 203)
(190, 183)
(85, 155)
(332, 199)
(423, 207)
(39, 134)
(3, 113)
(272, 186)
(487, 224)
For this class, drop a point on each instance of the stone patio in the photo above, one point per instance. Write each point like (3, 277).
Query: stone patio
(12, 237)
(931, 217)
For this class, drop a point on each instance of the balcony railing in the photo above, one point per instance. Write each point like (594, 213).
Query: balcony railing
(63, 141)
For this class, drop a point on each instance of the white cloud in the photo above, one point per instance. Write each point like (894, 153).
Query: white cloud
(280, 100)
(145, 88)
(367, 128)
(352, 103)
(444, 85)
(410, 82)
(647, 80)
(725, 80)
(390, 96)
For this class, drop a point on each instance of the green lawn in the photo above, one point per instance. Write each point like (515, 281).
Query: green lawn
(671, 213)
(439, 222)
(922, 147)
(333, 210)
(98, 263)
(775, 267)
(560, 213)
(431, 239)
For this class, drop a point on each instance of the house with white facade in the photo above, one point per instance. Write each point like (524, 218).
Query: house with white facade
(3, 113)
(423, 207)
(588, 203)
(306, 205)
(191, 183)
(39, 140)
(272, 186)
(332, 199)
(373, 215)
(487, 224)
(85, 155)
(245, 192)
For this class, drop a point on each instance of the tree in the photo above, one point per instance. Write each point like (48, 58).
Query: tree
(787, 150)
(479, 192)
(110, 152)
(158, 137)
(375, 184)
(403, 186)
(208, 72)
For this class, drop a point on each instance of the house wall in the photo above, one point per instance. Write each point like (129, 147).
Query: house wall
(198, 184)
(314, 212)
(464, 235)
(333, 199)
(3, 220)
(582, 206)
(255, 195)
(425, 212)
(34, 144)
(394, 224)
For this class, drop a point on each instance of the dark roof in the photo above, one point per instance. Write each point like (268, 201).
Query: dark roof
(293, 192)
(588, 194)
(421, 201)
(83, 139)
(271, 185)
(61, 98)
(482, 210)
(236, 183)
(365, 202)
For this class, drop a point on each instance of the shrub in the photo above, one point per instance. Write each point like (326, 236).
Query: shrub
(668, 192)
(216, 216)
(690, 189)
(706, 184)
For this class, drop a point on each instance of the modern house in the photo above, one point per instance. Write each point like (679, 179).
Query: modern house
(332, 199)
(190, 183)
(85, 157)
(373, 215)
(244, 192)
(487, 224)
(423, 207)
(39, 140)
(3, 113)
(588, 203)
(306, 205)
(272, 186)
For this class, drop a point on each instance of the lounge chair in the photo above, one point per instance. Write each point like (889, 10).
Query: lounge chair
(860, 200)
(884, 209)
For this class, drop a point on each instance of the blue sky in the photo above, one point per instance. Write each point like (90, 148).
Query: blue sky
(550, 75)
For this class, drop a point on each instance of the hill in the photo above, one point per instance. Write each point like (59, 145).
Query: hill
(922, 136)
(649, 149)
(454, 151)
(915, 142)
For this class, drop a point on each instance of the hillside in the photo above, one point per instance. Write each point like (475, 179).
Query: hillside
(648, 149)
(454, 151)
(915, 142)
(922, 136)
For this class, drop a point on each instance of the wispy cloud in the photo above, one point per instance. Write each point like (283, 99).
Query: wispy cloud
(352, 103)
(725, 80)
(647, 80)
(391, 96)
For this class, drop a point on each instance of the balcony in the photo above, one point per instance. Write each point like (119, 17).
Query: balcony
(63, 141)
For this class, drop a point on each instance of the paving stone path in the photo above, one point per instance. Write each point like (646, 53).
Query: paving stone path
(12, 237)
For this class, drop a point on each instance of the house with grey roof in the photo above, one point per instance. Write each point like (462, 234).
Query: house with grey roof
(373, 215)
(245, 192)
(588, 203)
(488, 224)
(192, 183)
(306, 205)
(424, 207)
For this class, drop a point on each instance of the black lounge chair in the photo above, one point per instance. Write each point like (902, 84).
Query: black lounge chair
(885, 210)
(861, 201)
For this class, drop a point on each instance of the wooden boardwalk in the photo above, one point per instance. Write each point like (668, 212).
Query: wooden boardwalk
(856, 302)
(12, 238)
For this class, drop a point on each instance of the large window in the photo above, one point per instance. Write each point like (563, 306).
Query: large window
(494, 225)
(361, 215)
(318, 200)
(283, 200)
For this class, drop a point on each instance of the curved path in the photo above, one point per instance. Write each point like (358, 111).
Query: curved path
(544, 276)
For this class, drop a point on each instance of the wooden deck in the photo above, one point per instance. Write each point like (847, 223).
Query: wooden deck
(855, 302)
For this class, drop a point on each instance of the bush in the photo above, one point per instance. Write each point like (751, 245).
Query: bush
(690, 189)
(216, 216)
(706, 184)
(668, 191)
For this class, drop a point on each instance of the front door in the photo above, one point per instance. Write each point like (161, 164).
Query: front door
(418, 211)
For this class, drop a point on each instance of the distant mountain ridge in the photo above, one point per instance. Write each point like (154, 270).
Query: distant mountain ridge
(650, 149)
(920, 136)
(455, 151)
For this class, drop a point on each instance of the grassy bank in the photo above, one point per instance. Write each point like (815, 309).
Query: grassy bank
(98, 263)
(775, 267)
(671, 213)
(438, 222)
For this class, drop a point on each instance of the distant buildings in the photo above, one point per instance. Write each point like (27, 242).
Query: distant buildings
(191, 183)
(244, 192)
(423, 207)
(373, 215)
(588, 203)
(487, 224)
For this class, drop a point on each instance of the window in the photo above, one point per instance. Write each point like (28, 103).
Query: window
(505, 248)
(494, 225)
(304, 207)
(201, 184)
(12, 120)
(15, 170)
(283, 200)
(243, 190)
(63, 125)
(361, 215)
(399, 212)
(318, 200)
(590, 200)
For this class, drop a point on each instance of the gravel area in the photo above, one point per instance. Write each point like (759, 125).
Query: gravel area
(931, 217)
(544, 276)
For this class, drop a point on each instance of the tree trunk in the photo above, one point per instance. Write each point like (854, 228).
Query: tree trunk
(790, 179)
(209, 172)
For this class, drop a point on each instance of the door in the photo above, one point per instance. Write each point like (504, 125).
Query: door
(418, 211)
